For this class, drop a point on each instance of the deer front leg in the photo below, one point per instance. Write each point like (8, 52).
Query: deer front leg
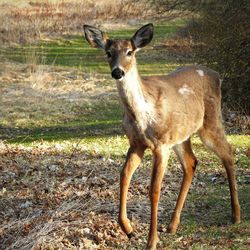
(161, 155)
(134, 156)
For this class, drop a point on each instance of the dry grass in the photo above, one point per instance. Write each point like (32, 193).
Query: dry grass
(32, 20)
(64, 194)
(47, 95)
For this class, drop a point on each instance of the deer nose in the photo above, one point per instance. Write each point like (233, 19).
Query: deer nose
(117, 73)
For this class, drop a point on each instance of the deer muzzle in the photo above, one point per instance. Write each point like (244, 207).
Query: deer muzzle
(117, 73)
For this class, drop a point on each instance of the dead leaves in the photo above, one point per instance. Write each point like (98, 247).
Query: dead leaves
(57, 194)
(58, 198)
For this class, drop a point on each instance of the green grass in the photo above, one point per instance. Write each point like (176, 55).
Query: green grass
(49, 119)
(73, 51)
(206, 220)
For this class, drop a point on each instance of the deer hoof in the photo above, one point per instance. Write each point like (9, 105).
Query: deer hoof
(236, 220)
(130, 235)
(126, 226)
(152, 242)
(236, 215)
(171, 229)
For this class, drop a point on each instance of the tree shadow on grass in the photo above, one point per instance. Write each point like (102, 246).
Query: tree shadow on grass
(60, 133)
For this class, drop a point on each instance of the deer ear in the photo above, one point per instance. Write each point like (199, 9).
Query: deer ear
(95, 37)
(143, 36)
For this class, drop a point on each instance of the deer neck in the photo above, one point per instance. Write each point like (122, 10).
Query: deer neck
(134, 100)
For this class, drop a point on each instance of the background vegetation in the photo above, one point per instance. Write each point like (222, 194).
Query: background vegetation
(220, 33)
(61, 142)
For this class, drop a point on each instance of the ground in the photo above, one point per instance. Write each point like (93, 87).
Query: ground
(62, 149)
(60, 184)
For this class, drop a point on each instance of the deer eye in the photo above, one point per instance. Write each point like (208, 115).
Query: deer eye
(108, 54)
(129, 53)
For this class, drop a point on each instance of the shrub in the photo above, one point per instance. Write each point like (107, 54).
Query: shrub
(223, 31)
(220, 31)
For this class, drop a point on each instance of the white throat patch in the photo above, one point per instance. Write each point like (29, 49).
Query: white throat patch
(131, 93)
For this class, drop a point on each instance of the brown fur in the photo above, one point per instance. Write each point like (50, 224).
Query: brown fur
(162, 112)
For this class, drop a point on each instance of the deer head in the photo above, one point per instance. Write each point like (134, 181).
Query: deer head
(120, 53)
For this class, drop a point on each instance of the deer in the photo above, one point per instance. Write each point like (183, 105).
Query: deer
(162, 113)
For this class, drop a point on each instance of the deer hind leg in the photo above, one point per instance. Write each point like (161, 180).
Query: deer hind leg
(188, 162)
(134, 157)
(215, 139)
(161, 155)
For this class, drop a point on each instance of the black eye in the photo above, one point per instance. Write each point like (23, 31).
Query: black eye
(108, 54)
(129, 53)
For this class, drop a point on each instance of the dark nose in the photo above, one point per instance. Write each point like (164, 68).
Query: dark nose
(117, 73)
